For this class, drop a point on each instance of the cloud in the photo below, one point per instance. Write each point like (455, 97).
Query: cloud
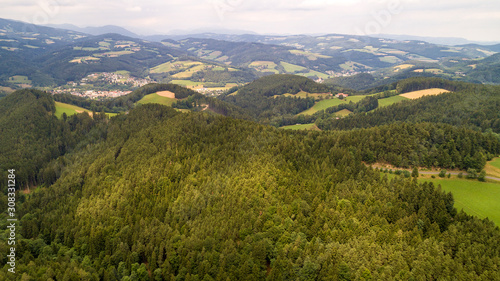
(464, 18)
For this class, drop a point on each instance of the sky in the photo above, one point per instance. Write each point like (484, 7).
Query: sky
(474, 20)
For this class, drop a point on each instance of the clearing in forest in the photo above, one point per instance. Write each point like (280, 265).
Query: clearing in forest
(421, 93)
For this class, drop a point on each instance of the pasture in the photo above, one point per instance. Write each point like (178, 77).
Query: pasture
(70, 109)
(159, 97)
(304, 95)
(343, 112)
(421, 93)
(264, 66)
(291, 68)
(481, 199)
(324, 104)
(390, 100)
(492, 168)
(311, 126)
(174, 66)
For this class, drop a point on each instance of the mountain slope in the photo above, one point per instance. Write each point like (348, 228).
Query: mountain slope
(197, 196)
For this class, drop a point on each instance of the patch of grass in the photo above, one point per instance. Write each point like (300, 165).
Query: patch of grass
(390, 100)
(389, 59)
(73, 109)
(155, 98)
(69, 109)
(324, 104)
(492, 168)
(310, 56)
(19, 79)
(172, 66)
(481, 199)
(311, 126)
(83, 59)
(421, 93)
(264, 66)
(343, 112)
(291, 68)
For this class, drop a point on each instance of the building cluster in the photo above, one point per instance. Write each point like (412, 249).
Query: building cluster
(114, 78)
(91, 94)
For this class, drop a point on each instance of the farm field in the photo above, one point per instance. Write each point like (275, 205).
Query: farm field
(264, 66)
(157, 98)
(343, 112)
(311, 126)
(390, 100)
(19, 79)
(171, 66)
(314, 73)
(421, 93)
(481, 199)
(324, 104)
(492, 168)
(291, 67)
(304, 95)
(70, 109)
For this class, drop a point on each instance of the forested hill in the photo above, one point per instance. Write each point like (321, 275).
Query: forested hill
(31, 135)
(264, 98)
(280, 84)
(166, 195)
(127, 102)
(473, 106)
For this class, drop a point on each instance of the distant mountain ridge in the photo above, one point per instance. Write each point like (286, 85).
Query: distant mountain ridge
(450, 41)
(96, 30)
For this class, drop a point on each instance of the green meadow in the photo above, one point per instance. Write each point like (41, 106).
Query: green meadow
(155, 98)
(481, 199)
(300, 127)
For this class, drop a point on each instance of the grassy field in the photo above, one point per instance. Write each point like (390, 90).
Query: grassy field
(402, 66)
(187, 83)
(391, 100)
(155, 98)
(481, 199)
(171, 66)
(389, 59)
(492, 168)
(264, 66)
(19, 79)
(73, 109)
(324, 104)
(428, 92)
(291, 67)
(343, 112)
(68, 109)
(304, 95)
(310, 56)
(311, 126)
(314, 73)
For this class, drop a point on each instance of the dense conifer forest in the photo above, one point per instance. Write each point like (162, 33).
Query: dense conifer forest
(156, 194)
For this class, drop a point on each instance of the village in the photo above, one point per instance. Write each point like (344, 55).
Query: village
(96, 85)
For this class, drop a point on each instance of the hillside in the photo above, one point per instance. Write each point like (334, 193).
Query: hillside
(469, 105)
(247, 200)
(273, 96)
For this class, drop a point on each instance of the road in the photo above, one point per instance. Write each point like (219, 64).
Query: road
(456, 173)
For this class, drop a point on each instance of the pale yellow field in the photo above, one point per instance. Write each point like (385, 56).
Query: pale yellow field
(421, 93)
(403, 66)
(166, 94)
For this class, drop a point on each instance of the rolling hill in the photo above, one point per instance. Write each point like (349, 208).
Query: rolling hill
(150, 190)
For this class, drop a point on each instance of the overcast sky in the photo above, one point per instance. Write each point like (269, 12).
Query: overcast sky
(473, 20)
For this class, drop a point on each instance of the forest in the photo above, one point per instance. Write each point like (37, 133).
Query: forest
(156, 194)
(471, 106)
